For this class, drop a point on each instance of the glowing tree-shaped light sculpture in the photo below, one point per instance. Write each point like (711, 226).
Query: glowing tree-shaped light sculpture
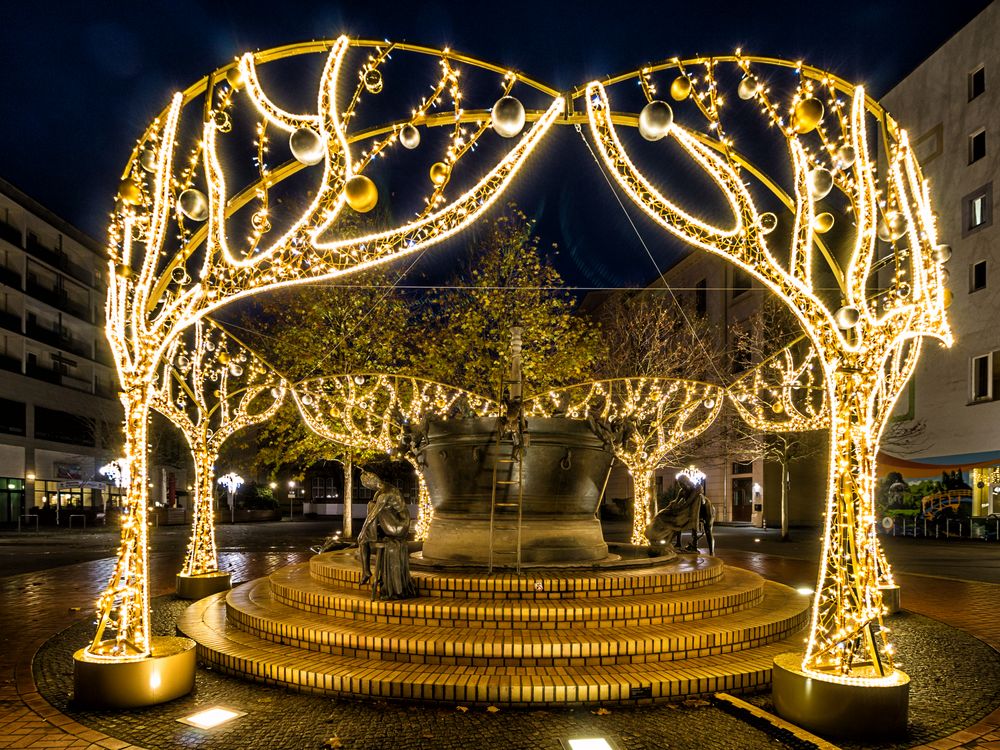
(866, 338)
(211, 387)
(385, 413)
(642, 420)
(174, 253)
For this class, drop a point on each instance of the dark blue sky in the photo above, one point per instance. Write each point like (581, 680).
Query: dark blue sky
(82, 79)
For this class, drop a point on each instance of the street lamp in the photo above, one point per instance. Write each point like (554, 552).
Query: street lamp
(232, 482)
(291, 495)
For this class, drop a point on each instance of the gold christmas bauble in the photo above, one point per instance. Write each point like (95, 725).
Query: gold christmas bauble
(129, 193)
(440, 173)
(361, 194)
(823, 223)
(680, 88)
(234, 77)
(807, 115)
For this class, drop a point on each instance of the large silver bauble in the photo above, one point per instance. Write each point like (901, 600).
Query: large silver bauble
(307, 146)
(847, 317)
(748, 88)
(508, 117)
(768, 222)
(147, 159)
(655, 120)
(820, 183)
(193, 204)
(942, 253)
(409, 136)
(846, 156)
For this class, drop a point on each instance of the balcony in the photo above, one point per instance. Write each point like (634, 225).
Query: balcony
(12, 234)
(11, 364)
(57, 339)
(43, 373)
(10, 277)
(10, 321)
(58, 259)
(58, 298)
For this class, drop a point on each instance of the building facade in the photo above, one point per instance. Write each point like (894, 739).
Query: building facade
(60, 419)
(950, 105)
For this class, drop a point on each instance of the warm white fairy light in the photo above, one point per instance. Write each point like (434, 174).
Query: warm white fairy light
(386, 413)
(861, 369)
(152, 297)
(117, 472)
(211, 387)
(693, 473)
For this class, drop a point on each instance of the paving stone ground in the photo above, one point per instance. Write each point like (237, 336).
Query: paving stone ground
(957, 673)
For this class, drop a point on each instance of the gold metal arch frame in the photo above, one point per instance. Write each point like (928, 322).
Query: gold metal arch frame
(174, 256)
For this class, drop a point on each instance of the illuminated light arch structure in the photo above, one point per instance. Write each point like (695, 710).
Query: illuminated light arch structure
(211, 387)
(155, 252)
(642, 421)
(386, 413)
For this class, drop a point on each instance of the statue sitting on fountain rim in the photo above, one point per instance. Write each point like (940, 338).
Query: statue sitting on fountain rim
(687, 512)
(386, 527)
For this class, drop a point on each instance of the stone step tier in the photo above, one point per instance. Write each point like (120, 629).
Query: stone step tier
(660, 632)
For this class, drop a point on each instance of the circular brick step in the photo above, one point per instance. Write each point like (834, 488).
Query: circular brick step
(736, 590)
(780, 613)
(682, 573)
(243, 654)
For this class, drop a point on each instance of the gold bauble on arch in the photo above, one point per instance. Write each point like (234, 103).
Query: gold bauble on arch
(440, 172)
(680, 88)
(361, 194)
(807, 115)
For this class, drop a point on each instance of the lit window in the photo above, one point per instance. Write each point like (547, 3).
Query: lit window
(977, 82)
(977, 209)
(977, 276)
(977, 146)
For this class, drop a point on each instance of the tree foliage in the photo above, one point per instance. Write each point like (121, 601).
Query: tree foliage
(503, 281)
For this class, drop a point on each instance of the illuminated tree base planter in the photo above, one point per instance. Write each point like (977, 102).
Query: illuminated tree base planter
(840, 708)
(166, 674)
(203, 584)
(890, 599)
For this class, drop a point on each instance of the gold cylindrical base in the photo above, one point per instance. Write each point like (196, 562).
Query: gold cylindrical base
(890, 599)
(204, 584)
(831, 708)
(168, 673)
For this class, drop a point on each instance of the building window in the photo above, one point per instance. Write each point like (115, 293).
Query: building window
(701, 297)
(63, 427)
(977, 276)
(12, 417)
(977, 146)
(324, 488)
(742, 467)
(985, 373)
(977, 210)
(741, 282)
(977, 82)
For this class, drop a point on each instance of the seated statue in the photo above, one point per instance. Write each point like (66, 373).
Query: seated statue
(387, 525)
(687, 512)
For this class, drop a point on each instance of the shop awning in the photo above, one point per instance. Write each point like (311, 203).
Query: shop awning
(933, 466)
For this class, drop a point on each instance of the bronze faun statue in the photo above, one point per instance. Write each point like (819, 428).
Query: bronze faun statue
(687, 512)
(386, 528)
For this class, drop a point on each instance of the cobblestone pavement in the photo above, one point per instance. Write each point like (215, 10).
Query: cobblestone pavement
(38, 605)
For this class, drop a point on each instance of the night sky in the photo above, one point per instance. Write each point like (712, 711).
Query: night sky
(81, 80)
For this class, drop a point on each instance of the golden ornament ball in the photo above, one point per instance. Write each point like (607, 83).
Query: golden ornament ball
(223, 358)
(361, 194)
(234, 77)
(948, 298)
(440, 173)
(807, 115)
(129, 193)
(680, 88)
(823, 223)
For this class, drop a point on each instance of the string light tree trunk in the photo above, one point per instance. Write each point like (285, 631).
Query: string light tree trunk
(846, 681)
(211, 387)
(156, 239)
(349, 495)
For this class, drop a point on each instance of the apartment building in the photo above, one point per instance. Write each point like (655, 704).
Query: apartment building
(60, 419)
(951, 107)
